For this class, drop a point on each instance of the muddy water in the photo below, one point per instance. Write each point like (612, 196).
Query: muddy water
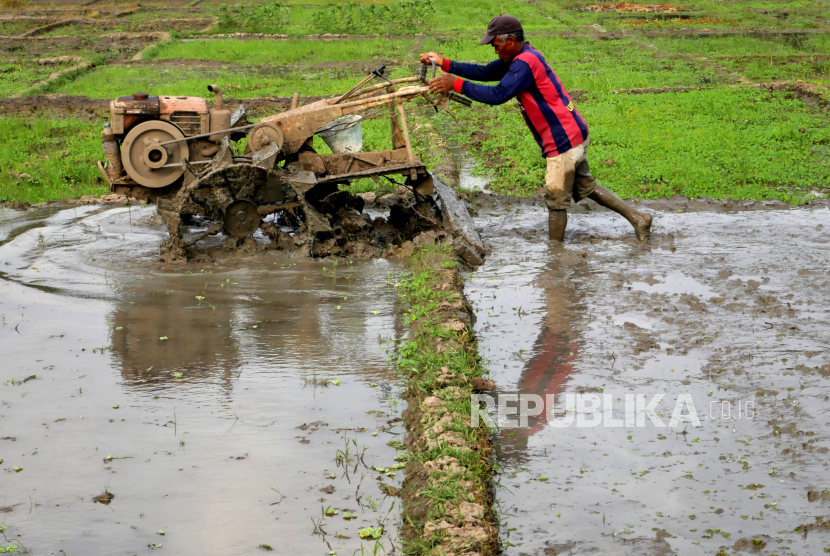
(468, 175)
(197, 397)
(721, 307)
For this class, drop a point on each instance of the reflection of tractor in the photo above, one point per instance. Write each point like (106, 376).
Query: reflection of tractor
(181, 154)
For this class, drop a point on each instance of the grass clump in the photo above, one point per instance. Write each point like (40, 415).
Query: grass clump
(51, 159)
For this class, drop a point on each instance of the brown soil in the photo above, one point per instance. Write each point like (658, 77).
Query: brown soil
(689, 21)
(628, 7)
(72, 105)
(61, 104)
(159, 25)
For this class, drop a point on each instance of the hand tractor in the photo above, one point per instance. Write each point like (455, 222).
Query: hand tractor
(182, 155)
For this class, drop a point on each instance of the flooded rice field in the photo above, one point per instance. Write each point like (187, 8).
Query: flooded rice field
(197, 410)
(728, 311)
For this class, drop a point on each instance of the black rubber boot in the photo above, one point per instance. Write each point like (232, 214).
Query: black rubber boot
(557, 222)
(640, 220)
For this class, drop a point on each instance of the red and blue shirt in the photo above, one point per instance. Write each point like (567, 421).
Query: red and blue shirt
(547, 109)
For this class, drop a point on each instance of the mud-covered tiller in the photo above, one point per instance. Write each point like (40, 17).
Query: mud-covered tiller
(180, 154)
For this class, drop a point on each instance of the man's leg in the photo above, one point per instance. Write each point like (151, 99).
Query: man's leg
(586, 186)
(559, 182)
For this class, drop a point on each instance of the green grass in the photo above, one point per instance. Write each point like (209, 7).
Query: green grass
(647, 136)
(731, 46)
(59, 154)
(762, 69)
(111, 82)
(280, 52)
(737, 143)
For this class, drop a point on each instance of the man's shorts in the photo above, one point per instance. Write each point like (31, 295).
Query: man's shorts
(568, 176)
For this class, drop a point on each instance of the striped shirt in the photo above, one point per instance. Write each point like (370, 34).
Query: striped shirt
(547, 109)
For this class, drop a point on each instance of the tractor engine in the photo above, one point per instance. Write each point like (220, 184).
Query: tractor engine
(144, 141)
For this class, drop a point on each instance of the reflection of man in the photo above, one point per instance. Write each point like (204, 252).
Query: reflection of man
(555, 350)
(550, 114)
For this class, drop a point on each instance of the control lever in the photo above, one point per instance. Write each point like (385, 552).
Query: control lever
(460, 100)
(379, 73)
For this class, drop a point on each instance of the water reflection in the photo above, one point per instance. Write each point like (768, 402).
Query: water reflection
(198, 414)
(556, 347)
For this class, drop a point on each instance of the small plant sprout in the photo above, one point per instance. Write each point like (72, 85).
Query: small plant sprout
(115, 406)
(161, 532)
(371, 532)
(177, 375)
(163, 339)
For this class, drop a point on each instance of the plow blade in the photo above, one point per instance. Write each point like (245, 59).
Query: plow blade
(457, 221)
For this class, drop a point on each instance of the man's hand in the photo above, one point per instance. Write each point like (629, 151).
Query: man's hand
(442, 84)
(434, 55)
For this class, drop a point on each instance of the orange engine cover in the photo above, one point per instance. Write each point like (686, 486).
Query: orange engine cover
(170, 105)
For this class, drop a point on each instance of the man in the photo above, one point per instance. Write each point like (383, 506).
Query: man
(549, 113)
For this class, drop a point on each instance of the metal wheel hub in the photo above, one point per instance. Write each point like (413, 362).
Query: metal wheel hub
(263, 135)
(147, 161)
(241, 218)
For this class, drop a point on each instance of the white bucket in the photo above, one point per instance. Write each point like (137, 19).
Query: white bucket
(343, 135)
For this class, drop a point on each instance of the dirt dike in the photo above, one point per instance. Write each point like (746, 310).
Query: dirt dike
(165, 25)
(811, 93)
(37, 47)
(448, 452)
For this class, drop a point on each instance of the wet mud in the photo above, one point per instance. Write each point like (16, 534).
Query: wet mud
(242, 407)
(728, 307)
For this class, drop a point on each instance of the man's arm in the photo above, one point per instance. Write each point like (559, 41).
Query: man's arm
(517, 79)
(493, 71)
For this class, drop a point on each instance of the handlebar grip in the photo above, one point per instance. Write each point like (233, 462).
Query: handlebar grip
(461, 100)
